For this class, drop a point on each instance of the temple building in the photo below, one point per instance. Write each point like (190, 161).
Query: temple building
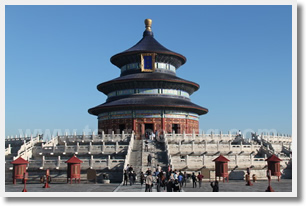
(148, 96)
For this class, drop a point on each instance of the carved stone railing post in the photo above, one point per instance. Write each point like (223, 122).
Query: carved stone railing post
(58, 162)
(116, 147)
(103, 147)
(91, 161)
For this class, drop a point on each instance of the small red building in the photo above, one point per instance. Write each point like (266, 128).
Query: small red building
(221, 167)
(74, 169)
(274, 165)
(19, 168)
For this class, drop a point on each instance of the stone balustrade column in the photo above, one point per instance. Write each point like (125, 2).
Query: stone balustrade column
(203, 160)
(122, 135)
(236, 159)
(240, 146)
(91, 161)
(54, 147)
(252, 158)
(9, 149)
(83, 137)
(116, 147)
(180, 144)
(103, 147)
(90, 148)
(229, 145)
(211, 135)
(192, 146)
(205, 142)
(58, 161)
(113, 134)
(65, 147)
(186, 160)
(193, 134)
(77, 147)
(43, 161)
(108, 162)
(218, 145)
(102, 136)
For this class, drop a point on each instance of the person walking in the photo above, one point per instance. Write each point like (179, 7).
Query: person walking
(185, 178)
(149, 182)
(200, 177)
(194, 180)
(131, 178)
(125, 178)
(149, 159)
(142, 178)
(181, 180)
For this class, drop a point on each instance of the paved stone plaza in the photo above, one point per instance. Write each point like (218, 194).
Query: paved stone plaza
(284, 185)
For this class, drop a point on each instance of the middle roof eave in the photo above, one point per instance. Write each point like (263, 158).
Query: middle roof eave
(148, 77)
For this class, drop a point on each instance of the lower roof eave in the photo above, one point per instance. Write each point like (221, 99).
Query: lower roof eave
(100, 109)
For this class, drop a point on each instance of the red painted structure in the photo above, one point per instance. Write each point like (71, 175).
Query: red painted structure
(19, 168)
(221, 167)
(74, 169)
(274, 165)
(158, 124)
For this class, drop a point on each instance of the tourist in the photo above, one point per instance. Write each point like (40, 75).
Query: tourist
(130, 169)
(181, 179)
(185, 178)
(134, 177)
(149, 159)
(125, 178)
(176, 186)
(200, 177)
(175, 176)
(158, 168)
(146, 146)
(215, 186)
(149, 182)
(153, 136)
(131, 178)
(142, 178)
(254, 178)
(194, 180)
(162, 179)
(127, 167)
(169, 185)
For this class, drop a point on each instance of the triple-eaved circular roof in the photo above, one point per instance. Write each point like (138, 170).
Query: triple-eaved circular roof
(148, 44)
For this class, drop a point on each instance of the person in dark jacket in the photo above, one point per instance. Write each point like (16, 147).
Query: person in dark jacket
(194, 180)
(149, 159)
(169, 186)
(215, 186)
(142, 178)
(125, 179)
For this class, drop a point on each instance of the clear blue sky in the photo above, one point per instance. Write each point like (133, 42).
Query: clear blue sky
(241, 56)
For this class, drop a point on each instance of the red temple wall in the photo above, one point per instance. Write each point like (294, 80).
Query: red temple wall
(139, 125)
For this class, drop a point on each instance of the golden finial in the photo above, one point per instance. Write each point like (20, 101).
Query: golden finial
(148, 23)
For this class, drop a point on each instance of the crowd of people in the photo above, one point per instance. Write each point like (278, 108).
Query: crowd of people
(167, 181)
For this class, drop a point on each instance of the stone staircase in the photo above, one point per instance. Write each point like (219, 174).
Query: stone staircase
(159, 156)
(136, 157)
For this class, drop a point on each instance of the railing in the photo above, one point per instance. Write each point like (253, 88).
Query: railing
(95, 138)
(87, 163)
(25, 150)
(8, 150)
